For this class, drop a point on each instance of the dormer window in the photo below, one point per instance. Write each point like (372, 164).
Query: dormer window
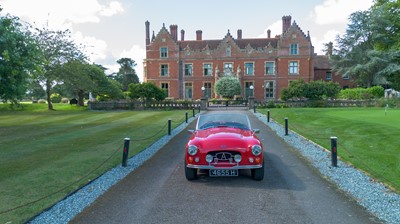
(228, 52)
(294, 49)
(164, 52)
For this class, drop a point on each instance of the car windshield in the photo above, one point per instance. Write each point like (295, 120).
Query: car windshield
(223, 120)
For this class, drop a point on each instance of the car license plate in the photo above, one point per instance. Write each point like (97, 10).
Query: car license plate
(223, 173)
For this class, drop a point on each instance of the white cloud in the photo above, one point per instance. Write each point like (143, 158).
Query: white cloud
(61, 14)
(276, 29)
(138, 54)
(318, 44)
(113, 8)
(337, 11)
(96, 49)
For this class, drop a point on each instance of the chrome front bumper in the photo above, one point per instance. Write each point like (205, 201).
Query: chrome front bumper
(224, 168)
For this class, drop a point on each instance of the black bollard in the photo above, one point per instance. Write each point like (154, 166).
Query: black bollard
(286, 126)
(193, 111)
(169, 126)
(255, 108)
(199, 109)
(334, 151)
(268, 116)
(186, 117)
(125, 153)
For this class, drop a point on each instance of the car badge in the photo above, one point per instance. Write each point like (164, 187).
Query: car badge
(223, 146)
(223, 157)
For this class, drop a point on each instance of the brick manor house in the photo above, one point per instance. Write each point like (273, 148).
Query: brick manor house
(188, 69)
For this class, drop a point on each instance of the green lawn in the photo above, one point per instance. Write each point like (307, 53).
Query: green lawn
(368, 138)
(43, 151)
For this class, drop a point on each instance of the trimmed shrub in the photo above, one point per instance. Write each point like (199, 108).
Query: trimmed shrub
(376, 91)
(55, 98)
(42, 101)
(362, 93)
(64, 100)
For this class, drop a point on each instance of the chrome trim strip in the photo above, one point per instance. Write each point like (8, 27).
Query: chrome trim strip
(224, 168)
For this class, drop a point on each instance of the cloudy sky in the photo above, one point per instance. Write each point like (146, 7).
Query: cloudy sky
(112, 29)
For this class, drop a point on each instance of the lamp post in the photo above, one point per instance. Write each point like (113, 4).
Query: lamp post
(203, 89)
(252, 90)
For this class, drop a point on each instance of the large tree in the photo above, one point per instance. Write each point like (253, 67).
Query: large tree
(18, 57)
(56, 48)
(80, 78)
(386, 34)
(369, 50)
(352, 56)
(126, 74)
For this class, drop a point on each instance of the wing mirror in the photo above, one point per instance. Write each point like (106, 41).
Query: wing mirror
(256, 131)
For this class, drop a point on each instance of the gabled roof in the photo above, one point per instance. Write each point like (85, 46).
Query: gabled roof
(322, 62)
(241, 43)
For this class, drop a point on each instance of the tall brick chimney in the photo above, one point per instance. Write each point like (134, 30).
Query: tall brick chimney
(286, 22)
(147, 23)
(182, 35)
(199, 35)
(239, 34)
(174, 31)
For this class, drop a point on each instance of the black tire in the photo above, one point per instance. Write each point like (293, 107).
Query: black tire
(190, 173)
(258, 174)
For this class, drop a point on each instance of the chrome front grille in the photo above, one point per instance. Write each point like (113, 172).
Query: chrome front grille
(223, 156)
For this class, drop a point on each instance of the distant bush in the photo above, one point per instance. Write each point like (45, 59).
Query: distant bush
(64, 100)
(362, 93)
(42, 101)
(314, 90)
(55, 98)
(376, 91)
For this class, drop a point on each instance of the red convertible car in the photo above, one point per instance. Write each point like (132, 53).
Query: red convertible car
(223, 144)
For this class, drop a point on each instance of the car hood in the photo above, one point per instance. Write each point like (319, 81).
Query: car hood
(224, 138)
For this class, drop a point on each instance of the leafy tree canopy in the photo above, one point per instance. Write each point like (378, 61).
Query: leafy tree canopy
(126, 74)
(369, 51)
(18, 57)
(228, 87)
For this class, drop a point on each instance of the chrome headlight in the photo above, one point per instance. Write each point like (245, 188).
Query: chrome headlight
(256, 150)
(192, 150)
(209, 158)
(238, 158)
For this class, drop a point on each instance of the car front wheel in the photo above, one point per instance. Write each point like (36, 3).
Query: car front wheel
(190, 173)
(258, 174)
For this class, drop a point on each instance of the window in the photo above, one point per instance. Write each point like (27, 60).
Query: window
(293, 68)
(249, 68)
(269, 89)
(188, 90)
(163, 52)
(164, 70)
(228, 52)
(270, 68)
(293, 49)
(207, 69)
(207, 89)
(188, 69)
(328, 75)
(165, 87)
(228, 69)
(249, 89)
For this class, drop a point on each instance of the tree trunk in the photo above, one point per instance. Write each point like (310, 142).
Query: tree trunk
(48, 93)
(81, 101)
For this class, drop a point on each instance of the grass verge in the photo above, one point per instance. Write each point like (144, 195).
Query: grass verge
(44, 151)
(368, 138)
